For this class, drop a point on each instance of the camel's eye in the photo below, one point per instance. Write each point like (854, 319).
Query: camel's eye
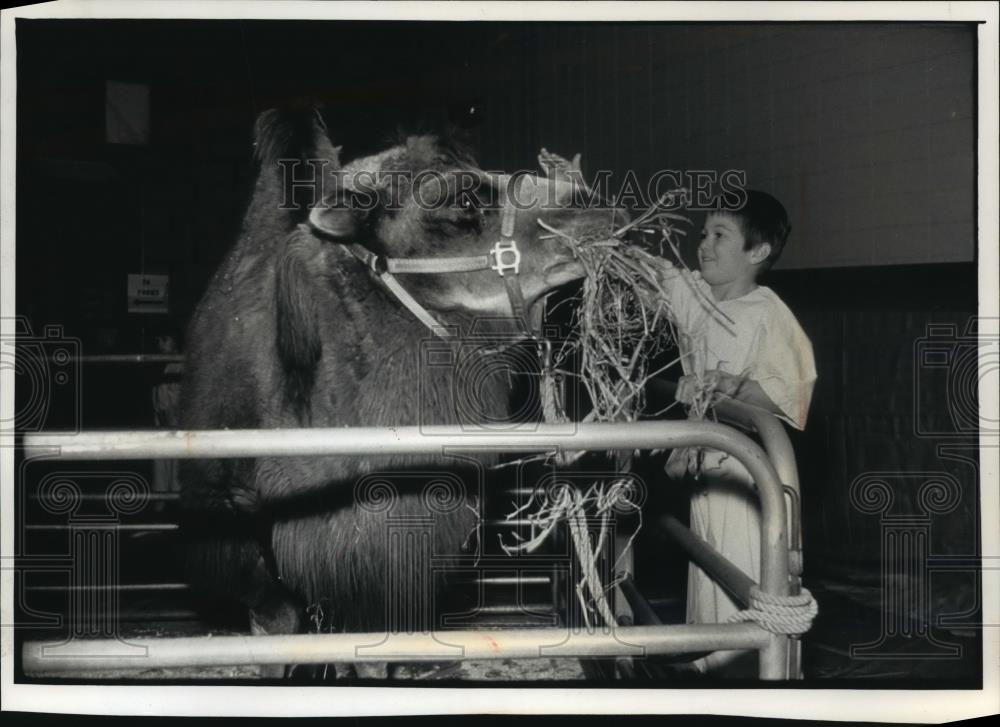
(467, 202)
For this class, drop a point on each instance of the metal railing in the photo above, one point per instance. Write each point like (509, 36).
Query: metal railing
(774, 649)
(122, 358)
(775, 441)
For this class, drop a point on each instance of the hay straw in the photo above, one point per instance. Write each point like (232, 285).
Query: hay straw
(622, 317)
(568, 504)
(622, 320)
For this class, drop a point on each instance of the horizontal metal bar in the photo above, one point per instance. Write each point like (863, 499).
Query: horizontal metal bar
(94, 525)
(124, 587)
(81, 655)
(513, 580)
(342, 441)
(442, 439)
(525, 609)
(152, 614)
(150, 496)
(144, 615)
(721, 570)
(122, 358)
(484, 580)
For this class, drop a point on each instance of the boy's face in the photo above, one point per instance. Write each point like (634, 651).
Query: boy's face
(722, 258)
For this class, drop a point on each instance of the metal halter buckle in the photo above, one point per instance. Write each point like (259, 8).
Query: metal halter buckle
(544, 348)
(499, 250)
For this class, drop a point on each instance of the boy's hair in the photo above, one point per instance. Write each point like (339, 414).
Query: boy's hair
(763, 219)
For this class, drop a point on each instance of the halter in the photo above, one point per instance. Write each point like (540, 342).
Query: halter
(504, 257)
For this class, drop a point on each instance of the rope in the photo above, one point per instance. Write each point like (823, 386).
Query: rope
(588, 564)
(790, 615)
(576, 517)
(551, 405)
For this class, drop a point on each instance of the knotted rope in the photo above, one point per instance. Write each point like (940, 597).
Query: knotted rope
(552, 411)
(789, 615)
(574, 510)
(587, 558)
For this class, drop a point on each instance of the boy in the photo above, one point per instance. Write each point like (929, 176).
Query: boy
(738, 339)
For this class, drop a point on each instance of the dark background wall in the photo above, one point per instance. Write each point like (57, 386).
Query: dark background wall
(866, 132)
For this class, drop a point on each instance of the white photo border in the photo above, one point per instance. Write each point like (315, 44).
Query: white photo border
(833, 704)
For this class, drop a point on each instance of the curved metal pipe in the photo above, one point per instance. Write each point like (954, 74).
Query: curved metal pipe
(152, 444)
(82, 655)
(772, 432)
(414, 440)
(778, 446)
(126, 358)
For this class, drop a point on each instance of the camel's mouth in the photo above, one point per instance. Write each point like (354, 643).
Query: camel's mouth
(562, 272)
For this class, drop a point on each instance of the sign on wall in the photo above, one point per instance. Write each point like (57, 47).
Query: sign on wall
(148, 293)
(126, 113)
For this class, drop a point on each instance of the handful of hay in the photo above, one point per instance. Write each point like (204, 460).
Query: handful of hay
(622, 321)
(622, 317)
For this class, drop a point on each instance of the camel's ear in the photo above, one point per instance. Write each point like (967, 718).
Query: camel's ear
(340, 215)
(293, 134)
(295, 156)
(558, 168)
(567, 176)
(351, 196)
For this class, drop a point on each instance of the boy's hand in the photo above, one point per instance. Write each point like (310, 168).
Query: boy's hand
(666, 270)
(723, 383)
(684, 461)
(686, 389)
(676, 466)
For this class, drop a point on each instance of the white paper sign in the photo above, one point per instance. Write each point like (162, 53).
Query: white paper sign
(148, 293)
